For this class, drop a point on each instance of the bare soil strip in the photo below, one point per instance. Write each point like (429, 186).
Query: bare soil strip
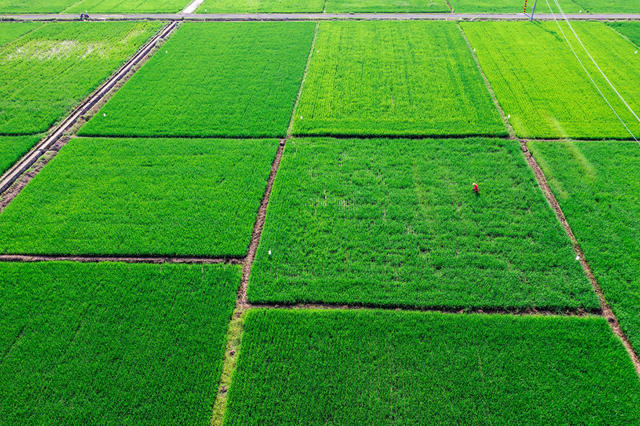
(195, 4)
(124, 259)
(606, 310)
(323, 17)
(70, 124)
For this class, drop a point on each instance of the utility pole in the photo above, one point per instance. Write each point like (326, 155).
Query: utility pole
(533, 10)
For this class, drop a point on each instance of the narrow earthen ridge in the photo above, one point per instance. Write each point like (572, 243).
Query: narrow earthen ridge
(302, 80)
(69, 123)
(505, 119)
(123, 259)
(488, 311)
(606, 310)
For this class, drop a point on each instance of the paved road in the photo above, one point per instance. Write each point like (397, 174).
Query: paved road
(321, 16)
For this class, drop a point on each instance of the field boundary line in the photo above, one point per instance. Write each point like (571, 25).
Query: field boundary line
(487, 83)
(607, 312)
(235, 328)
(67, 125)
(27, 258)
(579, 312)
(302, 80)
(448, 16)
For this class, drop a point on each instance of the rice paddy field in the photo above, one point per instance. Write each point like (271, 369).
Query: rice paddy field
(395, 220)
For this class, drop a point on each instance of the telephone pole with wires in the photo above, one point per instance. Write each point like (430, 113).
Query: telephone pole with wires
(533, 11)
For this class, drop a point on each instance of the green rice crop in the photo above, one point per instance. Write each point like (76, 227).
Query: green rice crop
(112, 343)
(189, 197)
(10, 31)
(375, 367)
(129, 6)
(14, 147)
(364, 6)
(91, 6)
(44, 74)
(568, 6)
(597, 186)
(394, 78)
(541, 85)
(395, 222)
(213, 79)
(630, 30)
(261, 6)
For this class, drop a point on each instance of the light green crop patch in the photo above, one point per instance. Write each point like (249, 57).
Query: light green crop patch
(394, 78)
(365, 6)
(375, 367)
(543, 88)
(91, 6)
(89, 343)
(396, 223)
(10, 31)
(189, 197)
(567, 6)
(236, 79)
(261, 6)
(597, 186)
(45, 73)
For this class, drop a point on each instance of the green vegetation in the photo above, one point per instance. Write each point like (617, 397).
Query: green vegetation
(363, 6)
(10, 31)
(91, 6)
(14, 147)
(568, 6)
(261, 6)
(395, 222)
(213, 79)
(630, 30)
(394, 78)
(597, 187)
(46, 73)
(188, 197)
(542, 86)
(373, 367)
(114, 343)
(129, 6)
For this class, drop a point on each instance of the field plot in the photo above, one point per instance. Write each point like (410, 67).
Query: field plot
(597, 186)
(395, 222)
(128, 6)
(630, 30)
(261, 6)
(364, 6)
(213, 79)
(394, 78)
(34, 6)
(46, 73)
(10, 31)
(89, 343)
(14, 147)
(541, 85)
(189, 197)
(568, 6)
(372, 367)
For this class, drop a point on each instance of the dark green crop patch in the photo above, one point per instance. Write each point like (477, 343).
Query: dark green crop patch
(630, 30)
(191, 197)
(45, 73)
(396, 6)
(375, 367)
(14, 147)
(213, 79)
(114, 343)
(395, 222)
(394, 78)
(10, 31)
(542, 87)
(597, 186)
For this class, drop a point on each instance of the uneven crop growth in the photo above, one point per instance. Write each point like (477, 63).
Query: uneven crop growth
(541, 85)
(46, 73)
(372, 367)
(115, 343)
(213, 79)
(395, 222)
(394, 78)
(597, 187)
(192, 197)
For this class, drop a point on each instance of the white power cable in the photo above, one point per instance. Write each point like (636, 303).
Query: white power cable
(589, 75)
